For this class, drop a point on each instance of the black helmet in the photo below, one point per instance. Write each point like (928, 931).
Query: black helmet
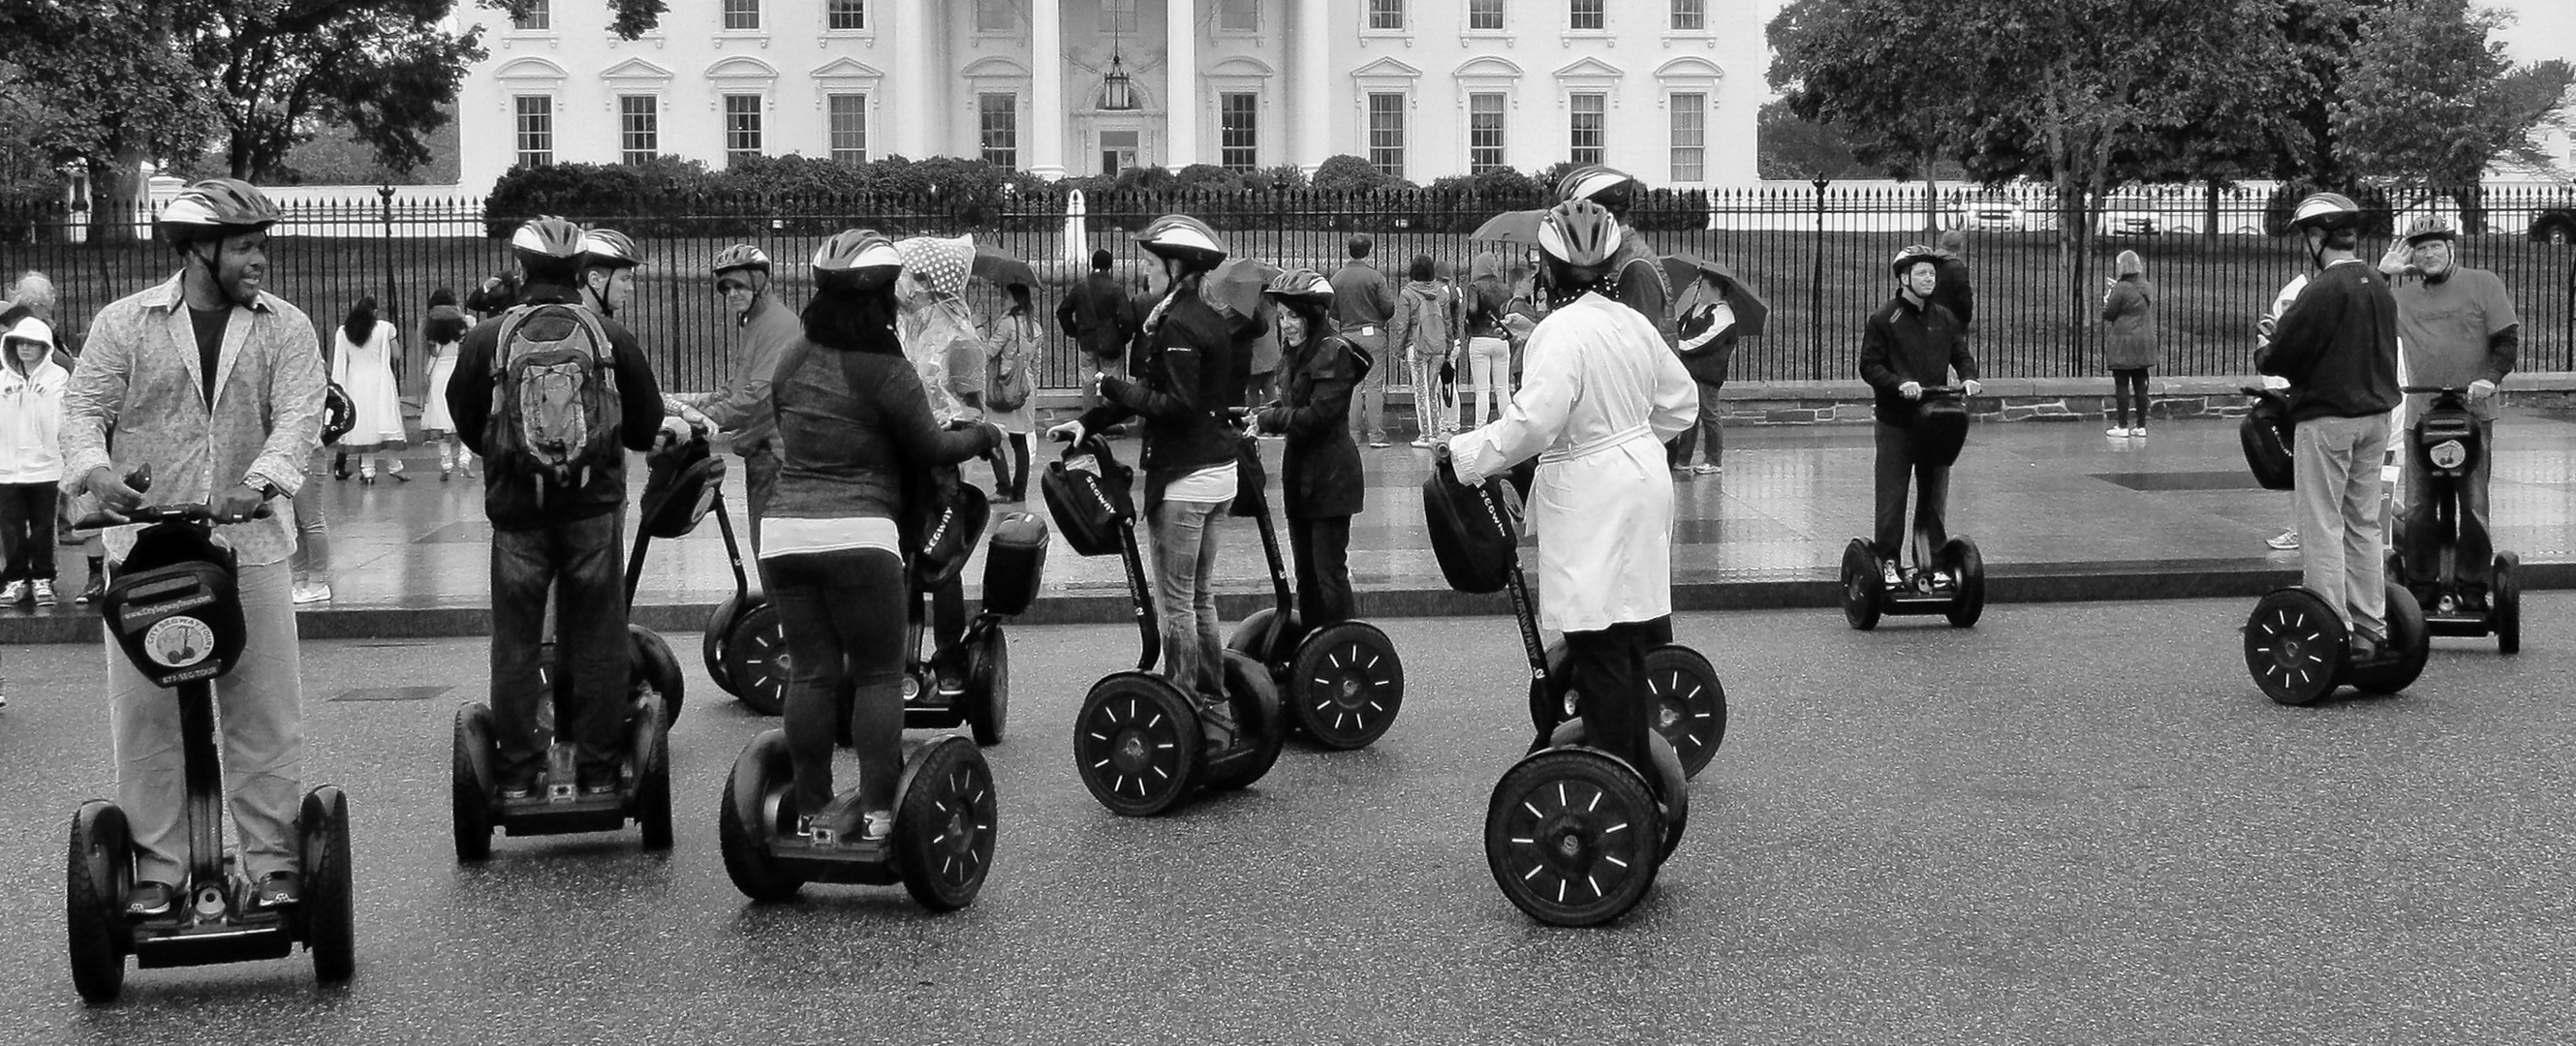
(546, 239)
(1910, 254)
(217, 207)
(339, 415)
(1582, 236)
(856, 259)
(2326, 210)
(1304, 287)
(1182, 237)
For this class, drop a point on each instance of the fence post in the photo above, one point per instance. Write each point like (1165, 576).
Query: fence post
(1816, 293)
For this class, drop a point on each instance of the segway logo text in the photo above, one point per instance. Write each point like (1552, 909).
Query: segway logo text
(2449, 454)
(131, 615)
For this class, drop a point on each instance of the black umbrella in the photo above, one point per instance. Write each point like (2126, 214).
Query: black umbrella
(1519, 227)
(1751, 312)
(995, 266)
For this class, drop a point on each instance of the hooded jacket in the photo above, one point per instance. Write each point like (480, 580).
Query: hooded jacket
(1320, 474)
(31, 415)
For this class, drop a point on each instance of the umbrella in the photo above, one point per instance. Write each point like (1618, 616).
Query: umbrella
(1519, 227)
(995, 266)
(1681, 270)
(1235, 286)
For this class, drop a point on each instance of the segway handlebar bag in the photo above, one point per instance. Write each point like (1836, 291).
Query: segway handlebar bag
(1014, 562)
(2266, 434)
(2450, 438)
(1472, 531)
(1086, 492)
(1940, 429)
(176, 606)
(679, 489)
(956, 517)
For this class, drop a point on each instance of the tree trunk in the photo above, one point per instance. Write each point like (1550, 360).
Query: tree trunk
(2209, 216)
(120, 199)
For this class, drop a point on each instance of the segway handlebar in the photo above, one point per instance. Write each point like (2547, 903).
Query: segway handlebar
(1944, 391)
(192, 513)
(2436, 390)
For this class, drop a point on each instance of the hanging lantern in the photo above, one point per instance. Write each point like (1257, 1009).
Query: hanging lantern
(1117, 92)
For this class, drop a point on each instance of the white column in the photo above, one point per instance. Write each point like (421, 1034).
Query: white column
(917, 75)
(1046, 89)
(1311, 83)
(1181, 26)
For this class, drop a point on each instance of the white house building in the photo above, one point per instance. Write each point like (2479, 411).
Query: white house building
(1665, 89)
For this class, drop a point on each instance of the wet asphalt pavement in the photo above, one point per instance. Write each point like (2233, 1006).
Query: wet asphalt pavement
(2074, 823)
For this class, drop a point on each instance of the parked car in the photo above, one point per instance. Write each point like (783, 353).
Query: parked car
(2127, 214)
(1986, 211)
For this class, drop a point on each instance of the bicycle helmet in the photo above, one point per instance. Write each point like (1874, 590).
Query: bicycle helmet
(1304, 287)
(1186, 239)
(339, 413)
(609, 249)
(1582, 236)
(545, 239)
(1593, 181)
(2424, 227)
(1908, 255)
(856, 259)
(740, 256)
(2326, 210)
(215, 208)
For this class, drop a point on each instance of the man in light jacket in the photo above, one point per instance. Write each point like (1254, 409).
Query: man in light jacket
(216, 386)
(741, 409)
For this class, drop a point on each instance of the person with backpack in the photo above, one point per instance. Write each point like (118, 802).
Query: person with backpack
(741, 409)
(1425, 312)
(215, 386)
(1010, 389)
(552, 394)
(1320, 473)
(1097, 316)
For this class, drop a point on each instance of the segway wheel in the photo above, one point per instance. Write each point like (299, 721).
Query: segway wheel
(2409, 636)
(711, 644)
(101, 868)
(944, 825)
(1136, 743)
(1254, 700)
(1689, 704)
(471, 784)
(330, 903)
(2295, 647)
(1671, 783)
(746, 819)
(1573, 837)
(988, 686)
(1967, 570)
(652, 667)
(756, 658)
(2504, 603)
(1345, 685)
(1247, 636)
(652, 803)
(1864, 592)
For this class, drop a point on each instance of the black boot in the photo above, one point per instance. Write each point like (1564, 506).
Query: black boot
(97, 582)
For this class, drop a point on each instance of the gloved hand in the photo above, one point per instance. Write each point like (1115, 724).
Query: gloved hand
(1912, 390)
(2276, 383)
(1973, 386)
(1069, 432)
(2481, 389)
(674, 431)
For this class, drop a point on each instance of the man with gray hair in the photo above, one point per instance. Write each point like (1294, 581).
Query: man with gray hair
(33, 295)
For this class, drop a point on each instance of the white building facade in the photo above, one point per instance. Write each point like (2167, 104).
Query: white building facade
(1664, 89)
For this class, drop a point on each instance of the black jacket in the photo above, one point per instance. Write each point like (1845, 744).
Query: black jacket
(2338, 345)
(1320, 472)
(1952, 290)
(1192, 373)
(513, 502)
(854, 429)
(1095, 314)
(1908, 342)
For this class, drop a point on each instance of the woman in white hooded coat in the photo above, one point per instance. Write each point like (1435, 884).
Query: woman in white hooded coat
(1600, 394)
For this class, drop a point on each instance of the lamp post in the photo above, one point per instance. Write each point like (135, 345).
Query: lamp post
(1816, 292)
(385, 214)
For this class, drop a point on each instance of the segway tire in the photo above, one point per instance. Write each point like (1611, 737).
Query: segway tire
(653, 667)
(330, 907)
(1967, 569)
(100, 870)
(1254, 700)
(471, 784)
(2409, 636)
(1689, 704)
(1136, 743)
(2504, 603)
(1671, 783)
(1864, 591)
(1345, 685)
(2295, 647)
(653, 775)
(755, 656)
(1246, 637)
(711, 644)
(1573, 837)
(944, 824)
(988, 686)
(744, 824)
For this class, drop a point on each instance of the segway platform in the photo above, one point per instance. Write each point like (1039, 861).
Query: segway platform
(941, 848)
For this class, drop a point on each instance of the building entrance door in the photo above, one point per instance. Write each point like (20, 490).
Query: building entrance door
(1117, 151)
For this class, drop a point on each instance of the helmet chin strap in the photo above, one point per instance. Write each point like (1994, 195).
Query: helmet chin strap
(597, 300)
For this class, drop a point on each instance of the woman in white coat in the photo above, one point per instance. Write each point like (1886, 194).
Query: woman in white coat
(1600, 394)
(362, 364)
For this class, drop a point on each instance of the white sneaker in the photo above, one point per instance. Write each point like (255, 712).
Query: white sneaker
(2115, 431)
(13, 592)
(2286, 542)
(2140, 432)
(44, 593)
(1890, 574)
(1423, 444)
(313, 593)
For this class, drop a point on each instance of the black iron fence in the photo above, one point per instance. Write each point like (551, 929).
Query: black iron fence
(1818, 257)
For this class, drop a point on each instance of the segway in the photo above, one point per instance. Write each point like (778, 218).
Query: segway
(1573, 834)
(745, 647)
(1138, 741)
(1014, 561)
(940, 850)
(1950, 581)
(678, 492)
(175, 609)
(1342, 684)
(2451, 443)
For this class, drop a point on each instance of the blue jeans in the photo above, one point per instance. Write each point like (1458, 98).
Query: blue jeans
(843, 613)
(1184, 562)
(579, 562)
(2343, 551)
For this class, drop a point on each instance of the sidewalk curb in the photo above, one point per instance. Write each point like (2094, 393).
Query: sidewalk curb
(2005, 584)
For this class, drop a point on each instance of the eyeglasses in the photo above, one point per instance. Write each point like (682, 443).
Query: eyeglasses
(730, 286)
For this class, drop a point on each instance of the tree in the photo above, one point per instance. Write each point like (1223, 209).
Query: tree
(630, 18)
(387, 68)
(104, 84)
(1793, 148)
(2427, 100)
(1862, 68)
